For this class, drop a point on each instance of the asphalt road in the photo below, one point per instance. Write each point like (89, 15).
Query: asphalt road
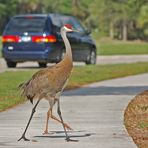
(95, 112)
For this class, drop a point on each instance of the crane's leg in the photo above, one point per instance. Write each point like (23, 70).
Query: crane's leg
(60, 115)
(33, 111)
(48, 116)
(65, 124)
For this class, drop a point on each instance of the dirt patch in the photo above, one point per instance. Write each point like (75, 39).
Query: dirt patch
(1, 99)
(136, 119)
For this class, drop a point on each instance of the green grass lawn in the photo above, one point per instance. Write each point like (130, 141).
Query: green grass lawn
(9, 95)
(121, 48)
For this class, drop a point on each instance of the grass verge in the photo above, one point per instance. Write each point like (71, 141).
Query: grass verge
(121, 48)
(136, 119)
(9, 96)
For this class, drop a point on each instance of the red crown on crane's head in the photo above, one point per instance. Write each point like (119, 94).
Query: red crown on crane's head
(69, 26)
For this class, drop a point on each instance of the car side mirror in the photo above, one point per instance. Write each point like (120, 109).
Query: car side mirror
(88, 31)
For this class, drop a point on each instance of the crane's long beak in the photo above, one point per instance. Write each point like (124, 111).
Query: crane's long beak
(74, 30)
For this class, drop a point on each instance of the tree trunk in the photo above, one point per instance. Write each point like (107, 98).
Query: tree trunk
(111, 30)
(124, 30)
(75, 6)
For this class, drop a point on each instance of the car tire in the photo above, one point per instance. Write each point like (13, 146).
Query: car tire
(92, 58)
(11, 64)
(42, 65)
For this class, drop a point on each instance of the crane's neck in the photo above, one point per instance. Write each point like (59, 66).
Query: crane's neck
(67, 46)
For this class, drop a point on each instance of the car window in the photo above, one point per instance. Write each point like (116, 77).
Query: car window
(74, 22)
(77, 25)
(26, 24)
(66, 20)
(61, 20)
(55, 20)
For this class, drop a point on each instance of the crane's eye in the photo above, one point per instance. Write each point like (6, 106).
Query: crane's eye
(69, 26)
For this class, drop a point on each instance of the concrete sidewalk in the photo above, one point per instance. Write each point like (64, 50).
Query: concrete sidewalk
(95, 112)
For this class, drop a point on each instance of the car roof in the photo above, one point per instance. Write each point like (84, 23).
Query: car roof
(59, 14)
(43, 15)
(31, 15)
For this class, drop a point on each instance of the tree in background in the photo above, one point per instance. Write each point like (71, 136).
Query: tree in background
(104, 13)
(2, 13)
(122, 19)
(128, 15)
(116, 17)
(7, 9)
(143, 20)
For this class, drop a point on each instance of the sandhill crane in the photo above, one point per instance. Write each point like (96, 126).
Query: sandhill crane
(49, 83)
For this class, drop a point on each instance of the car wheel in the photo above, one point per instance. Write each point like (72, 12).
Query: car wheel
(42, 65)
(11, 64)
(92, 58)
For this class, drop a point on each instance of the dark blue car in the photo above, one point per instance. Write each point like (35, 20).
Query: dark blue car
(36, 37)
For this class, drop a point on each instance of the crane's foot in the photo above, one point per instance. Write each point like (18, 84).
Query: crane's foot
(23, 137)
(71, 140)
(68, 127)
(46, 132)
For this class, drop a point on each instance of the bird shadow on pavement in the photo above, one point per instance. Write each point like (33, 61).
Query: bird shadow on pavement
(28, 68)
(105, 90)
(61, 134)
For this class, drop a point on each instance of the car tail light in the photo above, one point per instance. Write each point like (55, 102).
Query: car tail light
(10, 38)
(49, 38)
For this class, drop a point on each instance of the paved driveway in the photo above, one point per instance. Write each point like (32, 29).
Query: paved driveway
(95, 112)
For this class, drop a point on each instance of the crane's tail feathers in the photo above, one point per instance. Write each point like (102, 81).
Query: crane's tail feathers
(23, 85)
(20, 86)
(24, 93)
(30, 98)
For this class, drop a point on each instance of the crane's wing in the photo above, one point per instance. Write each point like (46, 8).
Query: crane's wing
(48, 81)
(38, 84)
